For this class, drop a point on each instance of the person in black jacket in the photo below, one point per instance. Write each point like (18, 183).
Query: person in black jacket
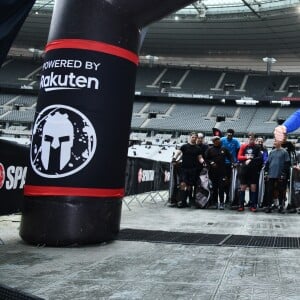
(215, 158)
(191, 156)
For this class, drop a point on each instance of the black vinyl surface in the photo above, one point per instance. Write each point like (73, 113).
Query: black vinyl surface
(8, 293)
(201, 239)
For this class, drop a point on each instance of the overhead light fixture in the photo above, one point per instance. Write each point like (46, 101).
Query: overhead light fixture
(34, 50)
(246, 101)
(151, 59)
(269, 61)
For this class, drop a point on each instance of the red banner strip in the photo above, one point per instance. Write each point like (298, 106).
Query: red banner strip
(31, 190)
(93, 46)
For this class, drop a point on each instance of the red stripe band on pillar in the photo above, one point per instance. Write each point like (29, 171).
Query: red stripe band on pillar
(31, 190)
(93, 46)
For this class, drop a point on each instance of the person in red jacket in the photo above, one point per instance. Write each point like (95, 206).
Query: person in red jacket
(251, 161)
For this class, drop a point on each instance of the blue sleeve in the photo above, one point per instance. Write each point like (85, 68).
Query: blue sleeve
(293, 122)
(265, 156)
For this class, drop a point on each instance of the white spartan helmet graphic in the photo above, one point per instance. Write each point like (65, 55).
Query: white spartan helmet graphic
(58, 132)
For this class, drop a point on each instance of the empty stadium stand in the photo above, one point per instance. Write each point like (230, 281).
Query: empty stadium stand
(171, 100)
(18, 72)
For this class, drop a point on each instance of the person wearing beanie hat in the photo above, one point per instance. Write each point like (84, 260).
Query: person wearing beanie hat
(216, 137)
(215, 159)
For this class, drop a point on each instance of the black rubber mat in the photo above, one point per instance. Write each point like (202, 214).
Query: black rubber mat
(287, 242)
(8, 293)
(159, 236)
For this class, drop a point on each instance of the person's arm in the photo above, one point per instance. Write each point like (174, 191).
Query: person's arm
(208, 158)
(291, 124)
(266, 169)
(241, 156)
(268, 164)
(238, 146)
(265, 155)
(177, 155)
(200, 159)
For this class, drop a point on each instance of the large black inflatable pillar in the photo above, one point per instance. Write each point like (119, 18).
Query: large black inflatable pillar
(75, 182)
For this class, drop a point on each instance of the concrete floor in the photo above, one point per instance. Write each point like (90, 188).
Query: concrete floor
(143, 270)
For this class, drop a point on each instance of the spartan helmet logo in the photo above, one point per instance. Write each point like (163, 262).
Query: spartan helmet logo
(63, 142)
(57, 140)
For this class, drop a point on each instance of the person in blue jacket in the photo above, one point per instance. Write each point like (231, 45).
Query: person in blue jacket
(233, 145)
(291, 124)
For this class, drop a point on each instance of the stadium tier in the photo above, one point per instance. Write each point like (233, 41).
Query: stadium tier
(169, 99)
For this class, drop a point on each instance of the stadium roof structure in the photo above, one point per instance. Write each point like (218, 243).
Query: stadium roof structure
(236, 34)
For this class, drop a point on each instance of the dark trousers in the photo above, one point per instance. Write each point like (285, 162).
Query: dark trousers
(278, 185)
(218, 187)
(228, 181)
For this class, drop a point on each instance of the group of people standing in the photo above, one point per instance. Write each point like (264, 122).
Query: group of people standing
(249, 158)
